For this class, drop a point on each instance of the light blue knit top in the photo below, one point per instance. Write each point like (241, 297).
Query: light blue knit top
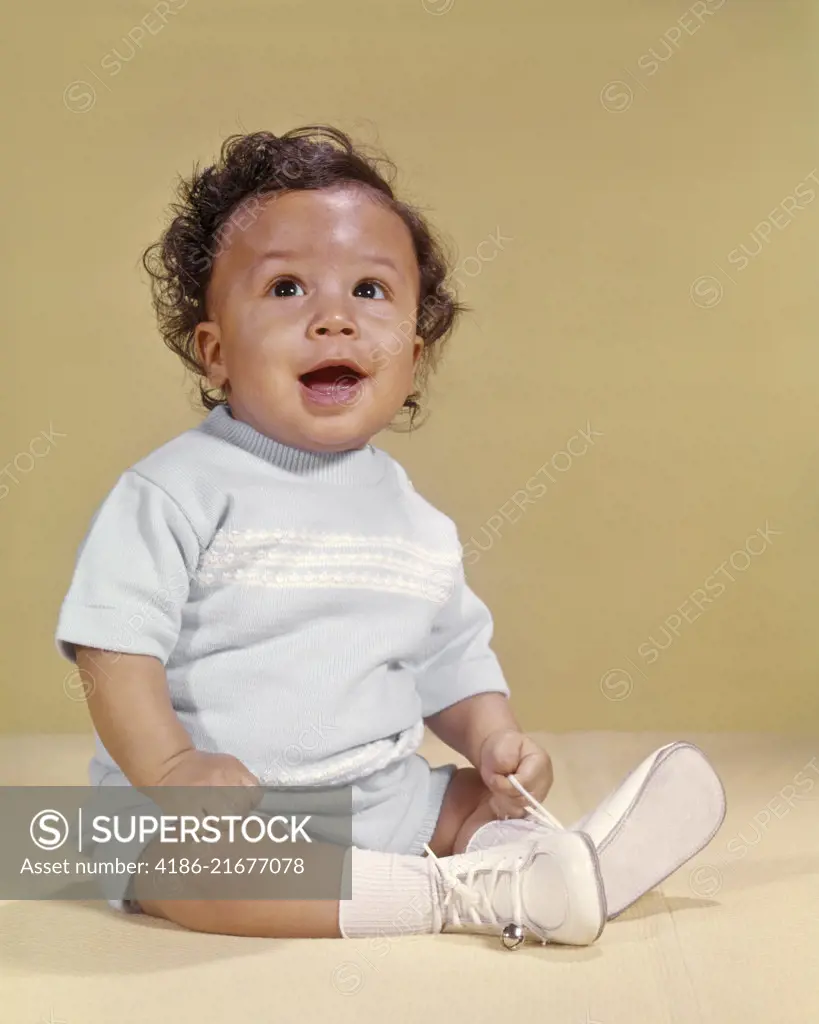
(310, 609)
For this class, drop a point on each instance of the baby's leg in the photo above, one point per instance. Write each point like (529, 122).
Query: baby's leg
(402, 879)
(391, 894)
(400, 894)
(275, 918)
(464, 809)
(381, 878)
(284, 919)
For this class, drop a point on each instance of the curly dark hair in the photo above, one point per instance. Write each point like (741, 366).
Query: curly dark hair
(257, 164)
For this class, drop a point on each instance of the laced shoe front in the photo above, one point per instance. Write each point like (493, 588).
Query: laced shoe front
(469, 895)
(549, 888)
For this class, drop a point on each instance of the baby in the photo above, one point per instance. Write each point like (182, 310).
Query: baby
(265, 600)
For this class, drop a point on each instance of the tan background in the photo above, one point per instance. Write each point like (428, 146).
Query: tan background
(616, 181)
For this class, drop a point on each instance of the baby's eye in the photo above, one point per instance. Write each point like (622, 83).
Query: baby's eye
(283, 288)
(370, 284)
(284, 282)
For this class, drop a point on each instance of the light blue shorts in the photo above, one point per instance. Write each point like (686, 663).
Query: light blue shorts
(394, 810)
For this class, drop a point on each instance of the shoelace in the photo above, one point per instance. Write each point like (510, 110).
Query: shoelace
(479, 902)
(475, 894)
(536, 809)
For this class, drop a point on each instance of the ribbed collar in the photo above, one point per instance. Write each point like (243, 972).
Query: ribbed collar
(358, 467)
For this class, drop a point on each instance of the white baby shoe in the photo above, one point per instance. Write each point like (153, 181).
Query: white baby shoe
(549, 887)
(662, 814)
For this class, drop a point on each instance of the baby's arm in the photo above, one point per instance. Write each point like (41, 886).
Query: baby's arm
(466, 725)
(131, 709)
(465, 701)
(464, 695)
(130, 584)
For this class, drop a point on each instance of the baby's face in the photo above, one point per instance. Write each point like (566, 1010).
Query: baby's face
(306, 277)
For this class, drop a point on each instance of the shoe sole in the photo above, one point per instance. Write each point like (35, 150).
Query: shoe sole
(675, 813)
(602, 898)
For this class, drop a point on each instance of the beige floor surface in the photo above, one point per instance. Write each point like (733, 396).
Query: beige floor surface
(731, 937)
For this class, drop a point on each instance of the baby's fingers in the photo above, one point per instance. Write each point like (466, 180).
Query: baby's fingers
(502, 788)
(534, 775)
(506, 802)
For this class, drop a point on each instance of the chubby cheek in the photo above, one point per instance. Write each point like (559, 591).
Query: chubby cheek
(259, 348)
(395, 376)
(393, 360)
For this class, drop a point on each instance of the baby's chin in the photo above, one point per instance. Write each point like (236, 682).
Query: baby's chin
(341, 431)
(285, 413)
(337, 434)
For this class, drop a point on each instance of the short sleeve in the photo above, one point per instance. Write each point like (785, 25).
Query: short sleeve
(457, 661)
(132, 574)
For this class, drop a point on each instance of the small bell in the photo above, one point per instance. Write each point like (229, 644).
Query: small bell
(512, 936)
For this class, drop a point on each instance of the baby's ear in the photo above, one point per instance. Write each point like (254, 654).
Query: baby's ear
(418, 348)
(208, 347)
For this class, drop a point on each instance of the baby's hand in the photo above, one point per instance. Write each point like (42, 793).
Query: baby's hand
(214, 771)
(507, 752)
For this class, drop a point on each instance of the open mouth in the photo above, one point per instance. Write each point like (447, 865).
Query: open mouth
(336, 382)
(330, 376)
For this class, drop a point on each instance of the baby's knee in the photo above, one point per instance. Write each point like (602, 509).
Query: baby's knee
(465, 795)
(471, 788)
